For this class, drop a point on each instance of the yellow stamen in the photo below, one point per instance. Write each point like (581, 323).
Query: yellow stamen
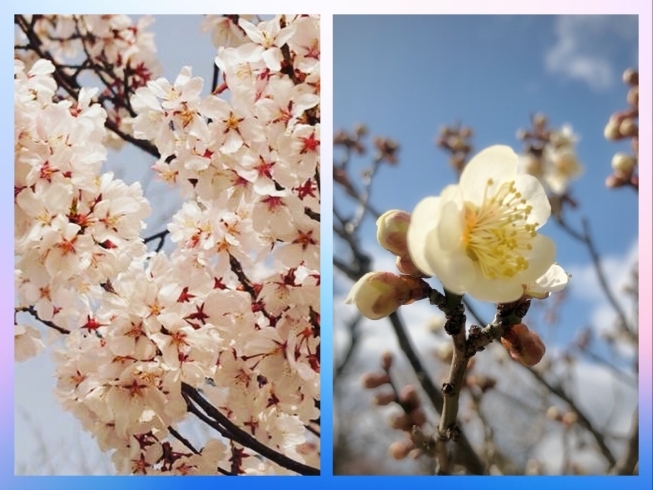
(497, 232)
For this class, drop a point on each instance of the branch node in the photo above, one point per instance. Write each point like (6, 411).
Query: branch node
(454, 433)
(447, 389)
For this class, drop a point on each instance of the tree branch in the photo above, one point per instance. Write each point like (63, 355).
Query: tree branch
(243, 438)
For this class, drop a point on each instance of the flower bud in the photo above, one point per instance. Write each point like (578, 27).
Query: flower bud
(623, 165)
(614, 181)
(400, 421)
(553, 413)
(374, 380)
(409, 396)
(405, 265)
(386, 360)
(378, 294)
(392, 227)
(628, 128)
(360, 130)
(631, 77)
(569, 418)
(611, 131)
(383, 399)
(524, 346)
(400, 449)
(539, 121)
(418, 416)
(633, 97)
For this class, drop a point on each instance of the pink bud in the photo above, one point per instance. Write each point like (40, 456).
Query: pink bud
(524, 346)
(374, 380)
(409, 396)
(405, 265)
(383, 399)
(400, 421)
(400, 449)
(386, 360)
(392, 227)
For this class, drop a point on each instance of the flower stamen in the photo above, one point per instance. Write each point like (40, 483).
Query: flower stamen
(497, 232)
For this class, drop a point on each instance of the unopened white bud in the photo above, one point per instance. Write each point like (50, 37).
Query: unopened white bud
(623, 165)
(392, 227)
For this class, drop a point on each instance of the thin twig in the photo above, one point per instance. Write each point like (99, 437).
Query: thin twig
(586, 239)
(465, 453)
(627, 464)
(582, 418)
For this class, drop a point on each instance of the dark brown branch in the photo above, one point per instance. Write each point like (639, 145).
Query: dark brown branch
(243, 438)
(182, 439)
(312, 214)
(161, 236)
(32, 311)
(354, 337)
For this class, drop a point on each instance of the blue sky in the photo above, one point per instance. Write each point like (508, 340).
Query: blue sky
(406, 76)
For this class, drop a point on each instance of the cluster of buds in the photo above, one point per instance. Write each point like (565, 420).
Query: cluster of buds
(479, 382)
(378, 294)
(386, 150)
(622, 125)
(455, 140)
(412, 417)
(565, 417)
(352, 141)
(524, 345)
(549, 155)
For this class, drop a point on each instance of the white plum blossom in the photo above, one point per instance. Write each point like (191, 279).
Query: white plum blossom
(557, 163)
(480, 236)
(555, 279)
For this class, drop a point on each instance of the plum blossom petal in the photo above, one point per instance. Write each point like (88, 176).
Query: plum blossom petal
(479, 237)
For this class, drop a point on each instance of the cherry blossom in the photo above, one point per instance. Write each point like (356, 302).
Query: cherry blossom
(229, 314)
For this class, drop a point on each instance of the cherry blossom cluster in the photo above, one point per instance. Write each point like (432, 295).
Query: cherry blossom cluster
(120, 55)
(226, 325)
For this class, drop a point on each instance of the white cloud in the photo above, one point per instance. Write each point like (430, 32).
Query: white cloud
(585, 45)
